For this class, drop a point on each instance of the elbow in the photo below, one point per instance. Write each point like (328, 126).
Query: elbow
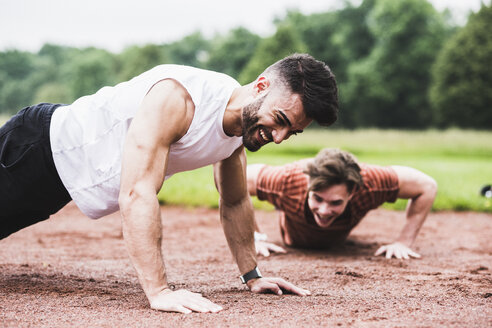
(125, 200)
(129, 199)
(430, 188)
(233, 202)
(433, 187)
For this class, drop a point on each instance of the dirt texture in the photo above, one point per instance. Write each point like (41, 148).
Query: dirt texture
(70, 271)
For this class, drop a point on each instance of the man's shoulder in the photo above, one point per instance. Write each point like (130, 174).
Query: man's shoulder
(288, 179)
(212, 76)
(374, 176)
(285, 171)
(380, 184)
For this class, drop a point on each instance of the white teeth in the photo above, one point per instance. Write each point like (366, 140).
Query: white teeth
(262, 134)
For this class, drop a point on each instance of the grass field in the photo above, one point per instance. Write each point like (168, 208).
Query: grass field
(459, 160)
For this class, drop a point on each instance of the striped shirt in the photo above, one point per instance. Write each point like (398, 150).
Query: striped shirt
(286, 187)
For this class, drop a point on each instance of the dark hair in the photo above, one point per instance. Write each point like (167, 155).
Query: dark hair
(314, 81)
(334, 166)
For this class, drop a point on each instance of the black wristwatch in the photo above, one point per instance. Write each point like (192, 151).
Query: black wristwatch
(253, 274)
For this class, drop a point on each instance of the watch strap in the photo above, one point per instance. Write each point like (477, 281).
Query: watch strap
(255, 273)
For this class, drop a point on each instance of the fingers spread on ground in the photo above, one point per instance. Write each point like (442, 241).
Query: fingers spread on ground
(181, 309)
(200, 305)
(380, 251)
(274, 288)
(292, 288)
(278, 249)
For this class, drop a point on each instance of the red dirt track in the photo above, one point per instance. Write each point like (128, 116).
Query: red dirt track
(70, 271)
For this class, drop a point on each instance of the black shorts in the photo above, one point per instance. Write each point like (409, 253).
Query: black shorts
(30, 188)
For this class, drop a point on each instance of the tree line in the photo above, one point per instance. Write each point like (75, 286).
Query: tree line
(399, 64)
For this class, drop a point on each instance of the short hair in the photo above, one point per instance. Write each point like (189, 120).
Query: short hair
(314, 81)
(331, 167)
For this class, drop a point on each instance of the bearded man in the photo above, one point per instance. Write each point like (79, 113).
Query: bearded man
(114, 149)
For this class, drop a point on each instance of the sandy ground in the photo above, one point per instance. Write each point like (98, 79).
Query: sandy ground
(70, 271)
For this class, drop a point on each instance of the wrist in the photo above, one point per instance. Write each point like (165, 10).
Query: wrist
(251, 282)
(405, 241)
(260, 236)
(248, 276)
(151, 294)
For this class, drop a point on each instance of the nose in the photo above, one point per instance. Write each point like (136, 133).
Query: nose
(324, 209)
(280, 135)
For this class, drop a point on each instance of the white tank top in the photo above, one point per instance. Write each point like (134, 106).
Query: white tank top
(87, 137)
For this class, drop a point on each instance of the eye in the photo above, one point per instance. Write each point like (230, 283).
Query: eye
(279, 120)
(317, 198)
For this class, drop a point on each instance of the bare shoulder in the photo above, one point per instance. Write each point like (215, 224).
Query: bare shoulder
(170, 91)
(171, 85)
(169, 104)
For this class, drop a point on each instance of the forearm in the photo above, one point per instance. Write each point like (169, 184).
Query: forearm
(142, 231)
(239, 226)
(417, 210)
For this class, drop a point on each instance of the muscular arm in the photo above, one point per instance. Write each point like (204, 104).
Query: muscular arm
(163, 117)
(421, 190)
(237, 217)
(236, 209)
(262, 246)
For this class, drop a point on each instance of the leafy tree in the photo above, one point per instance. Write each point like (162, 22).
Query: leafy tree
(14, 96)
(17, 79)
(57, 93)
(337, 37)
(231, 53)
(58, 54)
(16, 64)
(283, 43)
(57, 62)
(389, 87)
(191, 50)
(462, 75)
(91, 70)
(135, 60)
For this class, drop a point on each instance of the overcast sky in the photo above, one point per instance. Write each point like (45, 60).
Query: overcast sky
(115, 24)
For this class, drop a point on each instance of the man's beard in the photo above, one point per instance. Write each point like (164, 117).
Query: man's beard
(250, 126)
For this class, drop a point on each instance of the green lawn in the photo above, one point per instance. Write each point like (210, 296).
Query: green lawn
(459, 160)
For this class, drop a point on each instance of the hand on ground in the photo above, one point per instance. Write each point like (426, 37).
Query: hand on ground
(182, 301)
(265, 248)
(275, 286)
(397, 250)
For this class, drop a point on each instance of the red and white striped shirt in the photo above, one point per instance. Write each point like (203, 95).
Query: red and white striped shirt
(286, 187)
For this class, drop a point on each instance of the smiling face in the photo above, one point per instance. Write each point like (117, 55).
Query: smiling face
(328, 204)
(272, 117)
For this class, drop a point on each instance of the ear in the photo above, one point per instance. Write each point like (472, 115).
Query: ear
(262, 83)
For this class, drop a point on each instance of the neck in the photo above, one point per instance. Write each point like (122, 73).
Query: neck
(233, 120)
